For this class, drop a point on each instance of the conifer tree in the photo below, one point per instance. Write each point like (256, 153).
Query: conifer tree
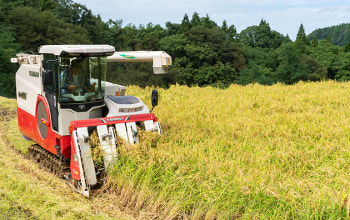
(314, 41)
(301, 35)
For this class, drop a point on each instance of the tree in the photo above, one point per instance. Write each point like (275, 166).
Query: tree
(289, 69)
(185, 24)
(132, 38)
(224, 27)
(316, 71)
(314, 41)
(230, 32)
(201, 35)
(296, 65)
(261, 64)
(203, 56)
(113, 34)
(301, 36)
(172, 28)
(195, 21)
(261, 36)
(150, 36)
(175, 45)
(40, 28)
(347, 47)
(206, 22)
(8, 48)
(327, 54)
(79, 15)
(255, 74)
(329, 39)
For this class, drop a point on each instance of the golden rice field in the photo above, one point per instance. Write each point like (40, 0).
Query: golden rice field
(262, 152)
(244, 152)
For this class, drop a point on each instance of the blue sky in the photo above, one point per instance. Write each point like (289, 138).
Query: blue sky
(284, 17)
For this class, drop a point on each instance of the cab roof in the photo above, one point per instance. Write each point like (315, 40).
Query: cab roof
(77, 50)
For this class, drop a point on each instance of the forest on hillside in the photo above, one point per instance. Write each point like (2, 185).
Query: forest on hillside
(339, 34)
(204, 52)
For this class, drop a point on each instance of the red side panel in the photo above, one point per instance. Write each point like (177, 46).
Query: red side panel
(28, 126)
(26, 123)
(74, 165)
(66, 146)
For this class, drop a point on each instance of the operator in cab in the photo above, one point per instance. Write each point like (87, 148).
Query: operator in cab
(76, 78)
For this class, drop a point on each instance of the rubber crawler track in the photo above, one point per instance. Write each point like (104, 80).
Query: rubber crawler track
(59, 166)
(53, 163)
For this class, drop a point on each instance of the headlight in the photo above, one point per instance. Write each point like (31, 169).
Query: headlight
(126, 110)
(138, 109)
(123, 110)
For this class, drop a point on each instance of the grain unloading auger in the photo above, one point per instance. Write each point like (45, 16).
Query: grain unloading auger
(63, 97)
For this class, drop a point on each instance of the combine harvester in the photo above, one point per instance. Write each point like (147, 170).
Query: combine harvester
(63, 96)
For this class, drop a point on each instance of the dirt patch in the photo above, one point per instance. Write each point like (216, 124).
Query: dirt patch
(7, 114)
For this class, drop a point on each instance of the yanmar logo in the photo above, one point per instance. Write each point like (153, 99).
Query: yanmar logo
(22, 95)
(115, 119)
(111, 119)
(34, 74)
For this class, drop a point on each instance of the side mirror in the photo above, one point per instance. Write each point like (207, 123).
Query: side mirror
(47, 77)
(154, 98)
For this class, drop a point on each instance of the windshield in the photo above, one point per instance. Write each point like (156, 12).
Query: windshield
(81, 79)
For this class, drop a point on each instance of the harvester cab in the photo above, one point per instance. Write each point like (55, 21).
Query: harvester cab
(63, 98)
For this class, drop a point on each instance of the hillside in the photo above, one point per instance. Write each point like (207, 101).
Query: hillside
(340, 34)
(267, 152)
